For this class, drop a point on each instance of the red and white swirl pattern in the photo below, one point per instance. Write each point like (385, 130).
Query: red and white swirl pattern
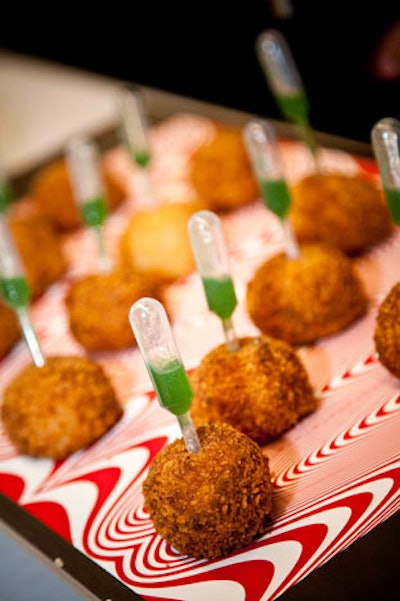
(336, 475)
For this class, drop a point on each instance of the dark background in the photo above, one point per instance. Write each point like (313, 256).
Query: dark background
(206, 51)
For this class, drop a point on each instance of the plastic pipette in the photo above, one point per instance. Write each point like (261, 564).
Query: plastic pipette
(5, 193)
(212, 262)
(265, 157)
(285, 83)
(135, 128)
(15, 290)
(87, 184)
(155, 340)
(385, 138)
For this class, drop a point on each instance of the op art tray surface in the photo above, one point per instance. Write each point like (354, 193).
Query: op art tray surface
(336, 474)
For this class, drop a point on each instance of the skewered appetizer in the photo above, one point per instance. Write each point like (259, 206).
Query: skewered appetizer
(212, 502)
(306, 298)
(262, 389)
(10, 331)
(387, 331)
(55, 410)
(98, 307)
(52, 194)
(221, 173)
(348, 212)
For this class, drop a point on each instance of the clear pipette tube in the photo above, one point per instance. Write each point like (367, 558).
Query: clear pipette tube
(262, 146)
(385, 137)
(87, 184)
(155, 340)
(5, 193)
(15, 290)
(285, 82)
(135, 133)
(134, 125)
(212, 260)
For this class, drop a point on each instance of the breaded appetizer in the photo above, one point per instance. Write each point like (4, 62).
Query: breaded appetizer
(54, 410)
(348, 212)
(262, 389)
(10, 331)
(52, 194)
(303, 299)
(98, 308)
(387, 331)
(221, 172)
(212, 502)
(156, 241)
(39, 248)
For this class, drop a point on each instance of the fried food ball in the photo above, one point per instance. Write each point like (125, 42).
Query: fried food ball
(51, 192)
(300, 300)
(156, 241)
(10, 331)
(221, 172)
(262, 389)
(40, 250)
(387, 331)
(54, 410)
(98, 308)
(212, 502)
(348, 212)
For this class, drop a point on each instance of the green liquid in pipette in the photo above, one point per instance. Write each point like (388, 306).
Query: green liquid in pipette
(142, 158)
(5, 197)
(15, 291)
(220, 294)
(294, 107)
(393, 200)
(275, 196)
(94, 211)
(172, 386)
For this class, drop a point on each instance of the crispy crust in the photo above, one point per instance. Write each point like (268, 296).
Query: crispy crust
(262, 390)
(10, 331)
(51, 193)
(387, 331)
(213, 502)
(221, 172)
(59, 408)
(98, 308)
(301, 300)
(40, 251)
(156, 242)
(348, 212)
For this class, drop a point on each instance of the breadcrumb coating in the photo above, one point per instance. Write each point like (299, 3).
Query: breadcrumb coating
(52, 194)
(40, 251)
(10, 331)
(348, 212)
(300, 300)
(210, 503)
(98, 308)
(54, 410)
(156, 241)
(387, 331)
(221, 172)
(262, 389)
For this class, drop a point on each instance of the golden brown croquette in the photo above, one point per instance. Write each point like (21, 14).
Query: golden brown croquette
(40, 250)
(262, 389)
(303, 299)
(10, 331)
(212, 502)
(54, 410)
(221, 172)
(52, 194)
(98, 308)
(348, 212)
(387, 331)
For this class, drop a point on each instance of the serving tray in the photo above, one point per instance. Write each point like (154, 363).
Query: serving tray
(336, 474)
